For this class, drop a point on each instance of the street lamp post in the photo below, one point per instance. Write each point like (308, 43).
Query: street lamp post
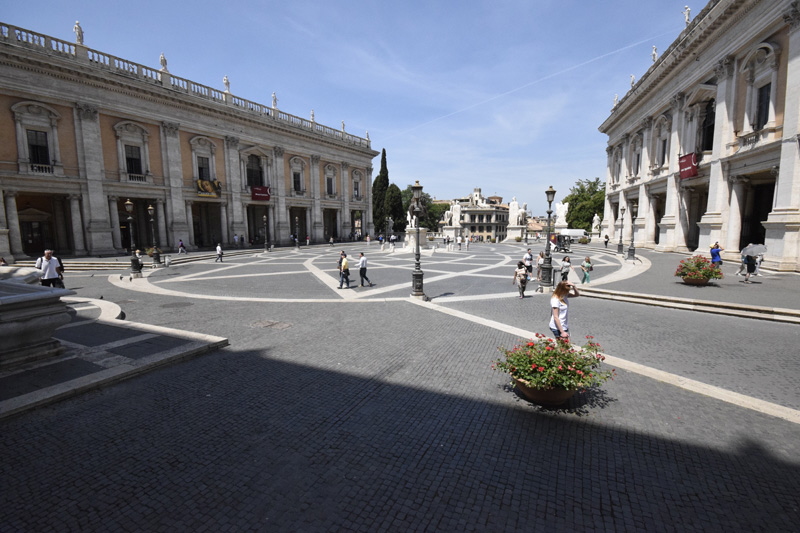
(547, 265)
(266, 245)
(129, 209)
(621, 224)
(632, 248)
(297, 233)
(417, 274)
(156, 255)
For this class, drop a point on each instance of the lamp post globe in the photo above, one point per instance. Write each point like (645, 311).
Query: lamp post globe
(417, 275)
(547, 265)
(621, 224)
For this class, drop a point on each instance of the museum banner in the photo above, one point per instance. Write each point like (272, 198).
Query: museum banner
(260, 193)
(209, 188)
(688, 166)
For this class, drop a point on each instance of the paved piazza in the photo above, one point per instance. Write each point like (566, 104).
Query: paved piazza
(363, 410)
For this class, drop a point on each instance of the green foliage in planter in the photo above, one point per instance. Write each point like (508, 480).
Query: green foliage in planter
(583, 240)
(698, 267)
(546, 363)
(518, 239)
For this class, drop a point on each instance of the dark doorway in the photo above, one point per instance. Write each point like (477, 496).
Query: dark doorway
(752, 229)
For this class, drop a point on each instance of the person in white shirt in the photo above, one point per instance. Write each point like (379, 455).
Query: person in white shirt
(52, 269)
(559, 304)
(219, 253)
(362, 269)
(527, 260)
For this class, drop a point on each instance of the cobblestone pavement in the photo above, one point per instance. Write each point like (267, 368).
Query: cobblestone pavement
(360, 410)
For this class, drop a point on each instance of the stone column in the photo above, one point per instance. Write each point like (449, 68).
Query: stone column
(236, 183)
(650, 224)
(711, 224)
(5, 245)
(316, 229)
(14, 234)
(735, 209)
(368, 199)
(225, 237)
(77, 224)
(163, 243)
(282, 223)
(189, 223)
(346, 199)
(96, 221)
(116, 236)
(181, 225)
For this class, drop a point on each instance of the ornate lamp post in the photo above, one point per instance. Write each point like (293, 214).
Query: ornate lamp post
(621, 224)
(129, 209)
(156, 256)
(547, 266)
(417, 274)
(297, 233)
(632, 248)
(266, 238)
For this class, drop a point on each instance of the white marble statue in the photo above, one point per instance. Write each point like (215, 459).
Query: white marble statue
(633, 81)
(312, 116)
(654, 54)
(513, 212)
(456, 209)
(561, 211)
(523, 214)
(448, 217)
(274, 101)
(616, 100)
(78, 32)
(163, 61)
(411, 219)
(227, 83)
(596, 223)
(687, 14)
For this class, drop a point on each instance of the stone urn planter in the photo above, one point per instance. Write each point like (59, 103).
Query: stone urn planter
(545, 397)
(696, 281)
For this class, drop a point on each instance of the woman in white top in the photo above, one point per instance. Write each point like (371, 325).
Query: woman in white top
(539, 263)
(559, 305)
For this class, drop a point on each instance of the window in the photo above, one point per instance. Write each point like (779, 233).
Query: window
(203, 168)
(38, 151)
(132, 150)
(761, 75)
(255, 174)
(356, 191)
(330, 180)
(661, 133)
(298, 174)
(617, 168)
(37, 138)
(762, 107)
(133, 160)
(329, 185)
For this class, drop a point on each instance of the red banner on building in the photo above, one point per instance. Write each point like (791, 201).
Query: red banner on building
(688, 166)
(260, 193)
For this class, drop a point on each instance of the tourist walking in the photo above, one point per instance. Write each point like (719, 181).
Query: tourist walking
(559, 306)
(566, 266)
(52, 270)
(750, 264)
(586, 267)
(344, 271)
(527, 260)
(539, 264)
(605, 240)
(362, 269)
(181, 248)
(219, 253)
(521, 278)
(3, 262)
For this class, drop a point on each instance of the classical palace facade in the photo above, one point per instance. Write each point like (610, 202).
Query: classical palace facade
(85, 133)
(704, 147)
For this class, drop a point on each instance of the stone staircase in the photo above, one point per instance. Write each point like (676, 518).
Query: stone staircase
(124, 262)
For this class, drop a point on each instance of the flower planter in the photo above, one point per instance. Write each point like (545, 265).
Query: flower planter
(546, 397)
(696, 281)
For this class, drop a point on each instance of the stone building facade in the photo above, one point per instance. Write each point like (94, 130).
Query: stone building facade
(85, 132)
(482, 218)
(704, 147)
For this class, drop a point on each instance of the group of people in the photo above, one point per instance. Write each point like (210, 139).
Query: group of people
(750, 263)
(344, 270)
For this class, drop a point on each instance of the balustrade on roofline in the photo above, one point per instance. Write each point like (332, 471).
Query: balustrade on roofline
(51, 46)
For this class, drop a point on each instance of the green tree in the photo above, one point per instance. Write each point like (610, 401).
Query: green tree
(585, 199)
(430, 215)
(379, 188)
(393, 207)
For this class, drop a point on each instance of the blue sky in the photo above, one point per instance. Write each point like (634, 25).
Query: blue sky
(506, 95)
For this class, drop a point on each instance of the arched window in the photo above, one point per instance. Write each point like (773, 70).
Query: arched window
(635, 155)
(330, 181)
(37, 138)
(761, 74)
(661, 134)
(133, 152)
(357, 179)
(204, 161)
(297, 166)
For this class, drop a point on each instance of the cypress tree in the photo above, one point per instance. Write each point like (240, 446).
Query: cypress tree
(393, 206)
(379, 188)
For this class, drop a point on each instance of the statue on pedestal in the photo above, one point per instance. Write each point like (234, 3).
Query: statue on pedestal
(78, 32)
(513, 212)
(596, 223)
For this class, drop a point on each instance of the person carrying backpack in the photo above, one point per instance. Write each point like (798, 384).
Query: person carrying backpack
(52, 270)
